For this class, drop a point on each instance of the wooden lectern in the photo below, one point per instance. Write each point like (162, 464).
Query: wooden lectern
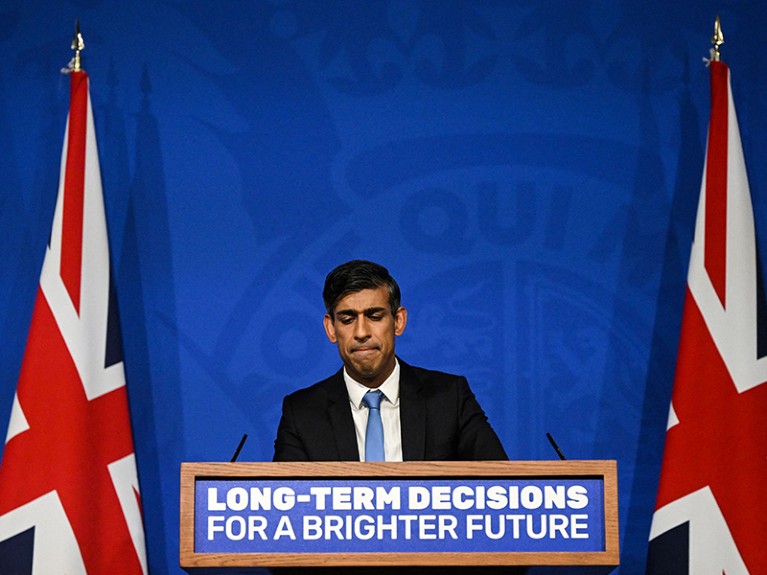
(236, 516)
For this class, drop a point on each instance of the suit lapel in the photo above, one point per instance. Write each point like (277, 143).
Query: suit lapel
(412, 413)
(341, 420)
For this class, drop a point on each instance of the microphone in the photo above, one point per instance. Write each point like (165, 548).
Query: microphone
(239, 448)
(555, 446)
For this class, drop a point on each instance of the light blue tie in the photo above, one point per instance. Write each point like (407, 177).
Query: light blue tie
(374, 445)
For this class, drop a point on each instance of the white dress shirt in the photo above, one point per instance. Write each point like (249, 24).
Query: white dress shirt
(389, 413)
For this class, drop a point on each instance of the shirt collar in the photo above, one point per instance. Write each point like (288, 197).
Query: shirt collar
(389, 388)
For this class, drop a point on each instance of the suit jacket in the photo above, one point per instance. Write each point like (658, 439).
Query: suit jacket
(439, 416)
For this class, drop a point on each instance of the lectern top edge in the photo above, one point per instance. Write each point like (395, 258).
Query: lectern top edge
(575, 468)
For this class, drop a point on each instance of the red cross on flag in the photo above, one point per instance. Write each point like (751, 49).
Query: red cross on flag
(711, 511)
(69, 494)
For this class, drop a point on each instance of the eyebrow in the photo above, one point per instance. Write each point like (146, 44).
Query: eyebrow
(367, 311)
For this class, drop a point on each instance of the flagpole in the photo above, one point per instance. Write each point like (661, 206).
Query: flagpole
(716, 40)
(78, 45)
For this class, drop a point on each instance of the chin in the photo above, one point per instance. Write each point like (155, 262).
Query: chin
(367, 374)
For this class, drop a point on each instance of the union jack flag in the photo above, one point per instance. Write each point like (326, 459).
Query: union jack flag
(69, 494)
(711, 511)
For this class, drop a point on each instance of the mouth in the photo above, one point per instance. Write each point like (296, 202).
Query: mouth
(364, 350)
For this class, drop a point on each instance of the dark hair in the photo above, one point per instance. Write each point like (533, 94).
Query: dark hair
(355, 276)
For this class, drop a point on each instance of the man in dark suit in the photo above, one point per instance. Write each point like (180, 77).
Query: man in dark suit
(426, 415)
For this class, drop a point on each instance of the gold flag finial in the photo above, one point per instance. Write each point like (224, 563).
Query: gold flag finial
(717, 40)
(78, 45)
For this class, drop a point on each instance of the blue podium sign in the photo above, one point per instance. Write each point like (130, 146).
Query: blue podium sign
(374, 515)
(489, 513)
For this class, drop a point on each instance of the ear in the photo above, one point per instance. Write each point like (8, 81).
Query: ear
(400, 321)
(330, 329)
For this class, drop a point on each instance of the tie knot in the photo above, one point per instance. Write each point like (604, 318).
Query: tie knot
(373, 399)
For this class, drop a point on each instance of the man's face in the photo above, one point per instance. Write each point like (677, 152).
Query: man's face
(364, 329)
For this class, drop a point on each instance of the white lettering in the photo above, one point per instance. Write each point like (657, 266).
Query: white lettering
(320, 493)
(554, 495)
(237, 499)
(260, 498)
(284, 529)
(213, 503)
(473, 523)
(284, 498)
(418, 498)
(515, 519)
(342, 498)
(383, 527)
(440, 497)
(391, 498)
(235, 528)
(531, 497)
(426, 526)
(364, 527)
(213, 525)
(256, 526)
(363, 498)
(496, 497)
(579, 526)
(531, 533)
(447, 526)
(408, 520)
(463, 497)
(312, 527)
(577, 497)
(558, 523)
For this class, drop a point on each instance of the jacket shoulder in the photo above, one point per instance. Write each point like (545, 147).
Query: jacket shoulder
(317, 391)
(429, 376)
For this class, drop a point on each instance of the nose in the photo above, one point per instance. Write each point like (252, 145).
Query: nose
(361, 330)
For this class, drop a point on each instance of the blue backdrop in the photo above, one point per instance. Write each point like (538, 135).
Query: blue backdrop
(528, 170)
